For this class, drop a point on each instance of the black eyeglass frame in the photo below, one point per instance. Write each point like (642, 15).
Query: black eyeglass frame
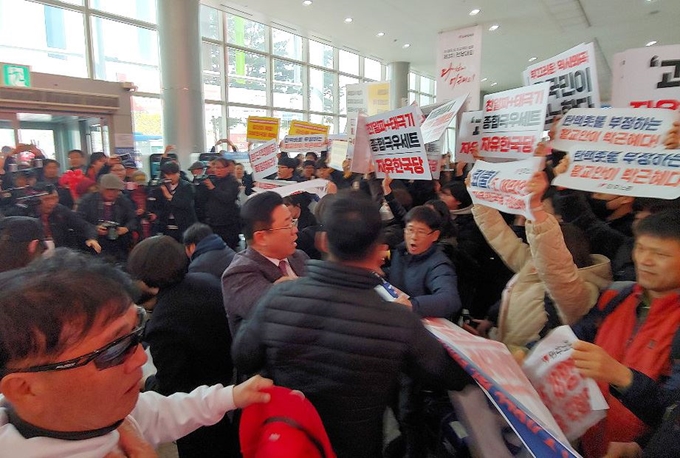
(117, 359)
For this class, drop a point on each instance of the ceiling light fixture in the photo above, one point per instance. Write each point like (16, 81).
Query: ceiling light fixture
(406, 45)
(348, 20)
(484, 79)
(531, 59)
(475, 12)
(380, 34)
(494, 83)
(307, 2)
(651, 43)
(494, 27)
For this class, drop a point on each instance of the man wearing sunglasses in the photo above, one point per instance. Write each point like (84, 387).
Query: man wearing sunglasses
(71, 365)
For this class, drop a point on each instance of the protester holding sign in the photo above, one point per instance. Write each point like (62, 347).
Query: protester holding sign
(555, 269)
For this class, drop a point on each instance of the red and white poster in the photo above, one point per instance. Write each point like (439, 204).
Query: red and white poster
(468, 136)
(575, 402)
(359, 150)
(304, 143)
(263, 160)
(459, 62)
(503, 186)
(397, 145)
(647, 78)
(512, 122)
(440, 118)
(573, 80)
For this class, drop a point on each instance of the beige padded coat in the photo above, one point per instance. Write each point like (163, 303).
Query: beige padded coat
(544, 265)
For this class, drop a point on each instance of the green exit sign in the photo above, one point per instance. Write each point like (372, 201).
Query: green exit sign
(16, 75)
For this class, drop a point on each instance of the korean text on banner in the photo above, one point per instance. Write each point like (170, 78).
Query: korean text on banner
(397, 145)
(378, 97)
(512, 122)
(356, 98)
(459, 61)
(338, 154)
(495, 370)
(307, 128)
(303, 143)
(263, 160)
(647, 78)
(435, 150)
(575, 402)
(573, 80)
(613, 127)
(440, 118)
(262, 129)
(468, 136)
(504, 186)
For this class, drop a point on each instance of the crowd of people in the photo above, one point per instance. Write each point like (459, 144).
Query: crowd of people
(325, 296)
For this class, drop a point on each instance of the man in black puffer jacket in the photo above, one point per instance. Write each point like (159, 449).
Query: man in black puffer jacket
(207, 251)
(331, 336)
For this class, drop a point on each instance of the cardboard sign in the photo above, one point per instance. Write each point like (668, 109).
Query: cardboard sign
(397, 145)
(440, 118)
(503, 186)
(435, 150)
(307, 128)
(512, 122)
(304, 143)
(263, 160)
(496, 372)
(575, 402)
(647, 78)
(468, 136)
(338, 154)
(615, 127)
(368, 98)
(262, 129)
(573, 80)
(459, 62)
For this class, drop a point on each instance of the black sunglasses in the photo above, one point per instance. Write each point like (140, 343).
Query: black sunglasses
(110, 355)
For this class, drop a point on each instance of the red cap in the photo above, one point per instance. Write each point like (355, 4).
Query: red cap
(288, 426)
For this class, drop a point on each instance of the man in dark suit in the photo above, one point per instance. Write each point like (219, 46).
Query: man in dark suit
(270, 258)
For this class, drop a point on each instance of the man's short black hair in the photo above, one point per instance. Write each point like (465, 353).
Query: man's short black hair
(321, 164)
(309, 164)
(46, 162)
(76, 151)
(426, 215)
(158, 261)
(97, 156)
(195, 233)
(53, 303)
(352, 222)
(170, 167)
(257, 211)
(311, 154)
(459, 191)
(663, 225)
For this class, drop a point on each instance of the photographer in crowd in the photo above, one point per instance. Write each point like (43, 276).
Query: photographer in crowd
(172, 201)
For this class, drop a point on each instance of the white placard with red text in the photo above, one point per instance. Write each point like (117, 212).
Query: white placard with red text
(304, 143)
(512, 122)
(573, 80)
(503, 186)
(647, 78)
(575, 402)
(397, 145)
(468, 135)
(459, 61)
(263, 160)
(615, 127)
(435, 150)
(440, 118)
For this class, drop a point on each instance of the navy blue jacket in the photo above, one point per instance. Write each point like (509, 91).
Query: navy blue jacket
(212, 256)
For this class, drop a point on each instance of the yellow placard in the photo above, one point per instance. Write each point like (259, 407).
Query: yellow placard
(378, 98)
(307, 128)
(262, 129)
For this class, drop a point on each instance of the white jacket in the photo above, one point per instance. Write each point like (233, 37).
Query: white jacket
(160, 419)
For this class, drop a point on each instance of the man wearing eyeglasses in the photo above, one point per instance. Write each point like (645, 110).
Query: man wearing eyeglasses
(71, 365)
(270, 258)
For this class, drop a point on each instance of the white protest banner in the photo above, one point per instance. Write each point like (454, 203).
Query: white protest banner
(612, 127)
(440, 118)
(512, 123)
(316, 186)
(573, 80)
(575, 402)
(503, 186)
(459, 62)
(338, 153)
(494, 369)
(369, 98)
(468, 135)
(304, 143)
(624, 171)
(397, 145)
(435, 150)
(647, 78)
(359, 145)
(263, 159)
(269, 185)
